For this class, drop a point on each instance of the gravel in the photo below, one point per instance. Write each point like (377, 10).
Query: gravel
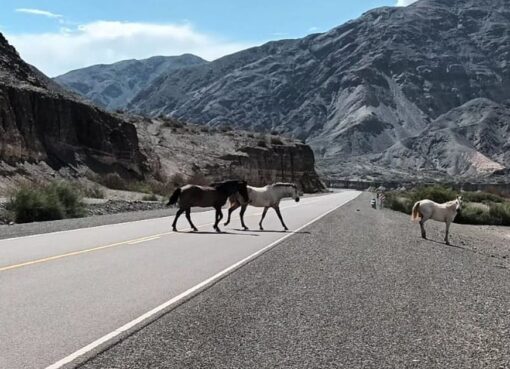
(358, 289)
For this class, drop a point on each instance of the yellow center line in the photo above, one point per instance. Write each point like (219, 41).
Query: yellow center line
(128, 242)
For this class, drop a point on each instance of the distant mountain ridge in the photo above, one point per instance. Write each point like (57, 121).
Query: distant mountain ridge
(112, 86)
(401, 92)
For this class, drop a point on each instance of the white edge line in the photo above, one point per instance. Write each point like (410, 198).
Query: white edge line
(108, 225)
(68, 359)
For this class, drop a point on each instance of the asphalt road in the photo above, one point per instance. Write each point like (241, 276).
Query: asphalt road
(61, 291)
(357, 289)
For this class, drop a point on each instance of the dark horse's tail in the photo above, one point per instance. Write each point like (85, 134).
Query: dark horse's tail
(174, 197)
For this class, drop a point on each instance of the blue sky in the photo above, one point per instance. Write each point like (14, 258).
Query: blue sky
(60, 35)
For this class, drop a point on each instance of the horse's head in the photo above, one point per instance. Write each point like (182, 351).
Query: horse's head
(295, 193)
(243, 190)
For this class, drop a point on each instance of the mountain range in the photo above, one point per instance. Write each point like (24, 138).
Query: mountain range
(113, 86)
(401, 92)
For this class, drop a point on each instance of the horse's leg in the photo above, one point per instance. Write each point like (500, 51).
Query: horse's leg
(243, 209)
(422, 226)
(219, 215)
(232, 208)
(177, 215)
(263, 216)
(447, 232)
(277, 209)
(188, 216)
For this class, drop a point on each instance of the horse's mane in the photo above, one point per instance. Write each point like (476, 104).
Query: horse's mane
(221, 185)
(283, 184)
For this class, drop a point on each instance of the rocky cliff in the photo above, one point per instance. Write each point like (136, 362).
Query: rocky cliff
(39, 122)
(369, 96)
(210, 154)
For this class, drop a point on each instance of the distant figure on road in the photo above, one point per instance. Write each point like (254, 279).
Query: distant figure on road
(427, 209)
(373, 202)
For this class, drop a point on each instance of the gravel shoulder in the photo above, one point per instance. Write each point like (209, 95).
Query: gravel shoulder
(27, 229)
(357, 289)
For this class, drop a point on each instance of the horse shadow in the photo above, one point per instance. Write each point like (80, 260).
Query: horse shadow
(219, 233)
(467, 249)
(270, 231)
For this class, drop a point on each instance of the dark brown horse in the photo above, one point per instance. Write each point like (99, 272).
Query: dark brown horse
(215, 196)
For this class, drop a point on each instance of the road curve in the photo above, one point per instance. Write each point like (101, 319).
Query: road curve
(61, 291)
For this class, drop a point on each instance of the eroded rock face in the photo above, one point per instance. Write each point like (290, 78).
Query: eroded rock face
(191, 150)
(361, 91)
(39, 122)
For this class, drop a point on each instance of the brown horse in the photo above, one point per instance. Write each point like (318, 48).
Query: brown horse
(215, 196)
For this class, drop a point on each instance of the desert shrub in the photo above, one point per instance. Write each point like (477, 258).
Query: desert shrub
(198, 179)
(94, 192)
(150, 197)
(177, 179)
(261, 143)
(439, 194)
(113, 181)
(398, 203)
(473, 214)
(482, 197)
(500, 213)
(50, 202)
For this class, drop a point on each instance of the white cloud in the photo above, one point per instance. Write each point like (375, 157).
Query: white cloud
(405, 2)
(44, 13)
(110, 41)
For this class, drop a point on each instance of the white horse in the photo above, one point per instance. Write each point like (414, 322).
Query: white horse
(427, 209)
(267, 197)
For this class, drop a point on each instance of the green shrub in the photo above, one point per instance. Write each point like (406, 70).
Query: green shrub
(500, 212)
(51, 202)
(436, 193)
(94, 192)
(473, 214)
(484, 197)
(113, 181)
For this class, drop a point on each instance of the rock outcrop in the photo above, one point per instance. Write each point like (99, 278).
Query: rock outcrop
(215, 154)
(39, 122)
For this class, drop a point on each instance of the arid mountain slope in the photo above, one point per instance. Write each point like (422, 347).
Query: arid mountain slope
(361, 92)
(113, 86)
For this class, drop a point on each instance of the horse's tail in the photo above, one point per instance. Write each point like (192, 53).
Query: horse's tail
(174, 197)
(415, 215)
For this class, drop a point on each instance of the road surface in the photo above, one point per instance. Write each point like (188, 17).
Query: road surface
(357, 289)
(62, 291)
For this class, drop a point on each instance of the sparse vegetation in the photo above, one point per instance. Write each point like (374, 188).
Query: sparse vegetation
(150, 197)
(49, 202)
(478, 207)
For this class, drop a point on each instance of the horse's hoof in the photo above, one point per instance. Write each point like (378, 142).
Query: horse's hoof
(246, 228)
(195, 230)
(175, 229)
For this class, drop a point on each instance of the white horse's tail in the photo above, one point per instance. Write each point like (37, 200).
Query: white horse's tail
(415, 214)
